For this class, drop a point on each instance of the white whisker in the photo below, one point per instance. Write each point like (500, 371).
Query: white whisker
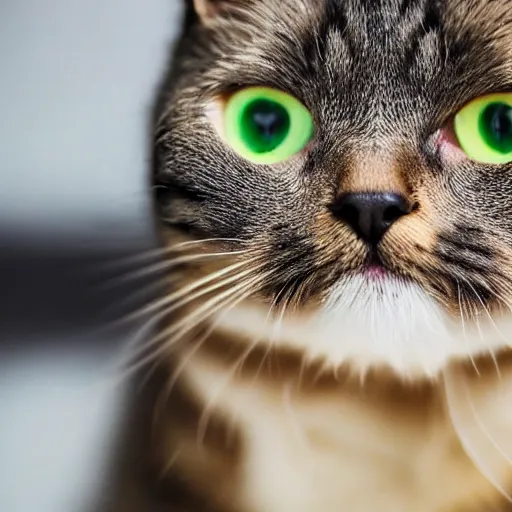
(463, 324)
(181, 297)
(239, 297)
(484, 340)
(269, 348)
(179, 336)
(167, 311)
(215, 395)
(189, 243)
(294, 423)
(165, 265)
(198, 315)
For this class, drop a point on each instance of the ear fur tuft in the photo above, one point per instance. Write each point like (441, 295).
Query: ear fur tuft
(207, 10)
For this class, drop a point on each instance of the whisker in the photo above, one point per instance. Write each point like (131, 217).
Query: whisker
(489, 349)
(240, 297)
(125, 306)
(181, 295)
(203, 423)
(459, 300)
(126, 353)
(166, 312)
(272, 307)
(289, 412)
(209, 406)
(163, 251)
(503, 301)
(154, 355)
(278, 326)
(166, 264)
(189, 243)
(185, 325)
(141, 257)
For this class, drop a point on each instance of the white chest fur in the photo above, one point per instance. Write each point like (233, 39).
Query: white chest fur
(335, 452)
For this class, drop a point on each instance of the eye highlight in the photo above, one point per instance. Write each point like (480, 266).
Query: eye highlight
(266, 126)
(484, 129)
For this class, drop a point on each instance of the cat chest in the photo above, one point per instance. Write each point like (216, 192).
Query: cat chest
(334, 453)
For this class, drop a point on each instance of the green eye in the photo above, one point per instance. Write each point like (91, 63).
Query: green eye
(484, 129)
(266, 126)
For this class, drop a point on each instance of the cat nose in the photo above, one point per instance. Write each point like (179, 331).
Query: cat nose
(371, 214)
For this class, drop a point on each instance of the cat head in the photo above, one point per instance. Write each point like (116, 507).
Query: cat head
(356, 156)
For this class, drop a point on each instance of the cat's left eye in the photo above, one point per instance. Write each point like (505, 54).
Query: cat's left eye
(266, 126)
(484, 129)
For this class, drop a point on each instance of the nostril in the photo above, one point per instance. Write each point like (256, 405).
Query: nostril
(349, 213)
(392, 213)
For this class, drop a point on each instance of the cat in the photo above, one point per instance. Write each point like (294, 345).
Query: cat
(333, 184)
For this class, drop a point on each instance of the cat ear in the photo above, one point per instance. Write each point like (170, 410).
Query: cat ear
(208, 10)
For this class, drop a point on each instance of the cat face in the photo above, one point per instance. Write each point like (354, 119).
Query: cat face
(386, 232)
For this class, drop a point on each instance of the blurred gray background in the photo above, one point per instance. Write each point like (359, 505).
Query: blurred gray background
(77, 81)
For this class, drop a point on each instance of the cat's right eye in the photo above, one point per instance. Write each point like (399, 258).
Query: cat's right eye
(266, 126)
(484, 129)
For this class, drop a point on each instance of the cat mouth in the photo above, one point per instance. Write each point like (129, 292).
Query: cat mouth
(375, 269)
(375, 272)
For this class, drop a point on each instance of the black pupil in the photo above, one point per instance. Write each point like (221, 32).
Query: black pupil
(265, 125)
(268, 121)
(496, 127)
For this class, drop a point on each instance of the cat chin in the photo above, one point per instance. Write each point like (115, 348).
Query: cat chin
(370, 323)
(392, 322)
